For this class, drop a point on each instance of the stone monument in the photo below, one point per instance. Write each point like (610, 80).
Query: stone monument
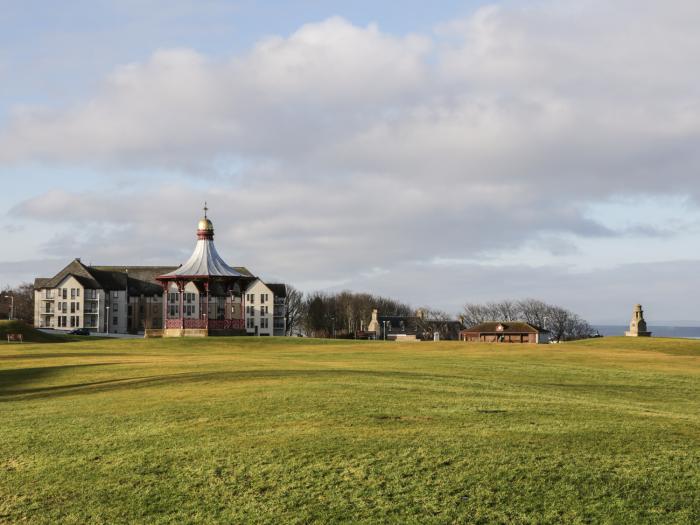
(638, 326)
(374, 323)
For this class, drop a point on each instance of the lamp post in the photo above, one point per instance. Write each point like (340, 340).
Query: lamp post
(107, 307)
(384, 323)
(12, 304)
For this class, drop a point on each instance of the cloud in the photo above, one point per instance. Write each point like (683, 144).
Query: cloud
(340, 151)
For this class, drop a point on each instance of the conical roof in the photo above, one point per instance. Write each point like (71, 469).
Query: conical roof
(205, 260)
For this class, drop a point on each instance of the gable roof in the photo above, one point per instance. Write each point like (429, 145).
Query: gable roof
(77, 270)
(279, 289)
(140, 280)
(40, 282)
(509, 327)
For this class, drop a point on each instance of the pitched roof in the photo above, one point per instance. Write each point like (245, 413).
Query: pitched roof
(40, 282)
(243, 271)
(279, 289)
(509, 327)
(140, 280)
(77, 270)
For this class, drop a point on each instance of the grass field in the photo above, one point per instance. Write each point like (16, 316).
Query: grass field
(297, 431)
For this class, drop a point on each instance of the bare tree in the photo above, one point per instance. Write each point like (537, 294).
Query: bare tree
(534, 311)
(474, 314)
(430, 322)
(23, 302)
(294, 309)
(507, 310)
(563, 324)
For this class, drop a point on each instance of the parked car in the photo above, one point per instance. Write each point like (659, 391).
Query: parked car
(80, 331)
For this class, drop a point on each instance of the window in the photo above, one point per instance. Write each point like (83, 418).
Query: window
(65, 293)
(189, 297)
(250, 310)
(263, 310)
(189, 310)
(115, 320)
(77, 292)
(115, 295)
(250, 297)
(173, 297)
(174, 310)
(251, 323)
(263, 298)
(263, 322)
(72, 308)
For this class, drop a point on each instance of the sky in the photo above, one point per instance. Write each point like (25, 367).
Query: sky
(436, 152)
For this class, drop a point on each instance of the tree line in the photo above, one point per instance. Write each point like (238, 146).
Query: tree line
(23, 298)
(563, 324)
(320, 314)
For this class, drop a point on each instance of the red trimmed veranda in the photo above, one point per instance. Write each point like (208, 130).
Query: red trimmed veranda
(219, 307)
(213, 305)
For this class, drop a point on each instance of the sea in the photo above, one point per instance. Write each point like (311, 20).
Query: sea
(683, 332)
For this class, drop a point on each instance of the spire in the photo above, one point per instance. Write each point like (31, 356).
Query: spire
(205, 228)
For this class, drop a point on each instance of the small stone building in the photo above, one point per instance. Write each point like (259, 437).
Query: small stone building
(638, 326)
(506, 332)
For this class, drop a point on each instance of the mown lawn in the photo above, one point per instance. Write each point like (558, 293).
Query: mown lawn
(298, 431)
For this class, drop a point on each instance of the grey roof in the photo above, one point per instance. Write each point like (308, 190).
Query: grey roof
(279, 289)
(40, 282)
(140, 280)
(77, 270)
(205, 262)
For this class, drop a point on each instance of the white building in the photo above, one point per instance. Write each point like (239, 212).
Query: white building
(265, 308)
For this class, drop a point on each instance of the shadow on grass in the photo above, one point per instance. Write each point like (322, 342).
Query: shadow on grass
(53, 355)
(11, 380)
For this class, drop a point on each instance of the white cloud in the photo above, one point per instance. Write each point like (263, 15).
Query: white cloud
(351, 149)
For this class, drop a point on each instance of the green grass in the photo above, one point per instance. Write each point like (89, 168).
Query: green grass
(294, 431)
(30, 334)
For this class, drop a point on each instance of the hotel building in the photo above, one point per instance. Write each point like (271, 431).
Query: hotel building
(204, 296)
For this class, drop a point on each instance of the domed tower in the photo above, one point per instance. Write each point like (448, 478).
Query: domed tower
(638, 326)
(205, 228)
(203, 296)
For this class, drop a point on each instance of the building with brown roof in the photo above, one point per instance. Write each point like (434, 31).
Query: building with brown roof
(505, 332)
